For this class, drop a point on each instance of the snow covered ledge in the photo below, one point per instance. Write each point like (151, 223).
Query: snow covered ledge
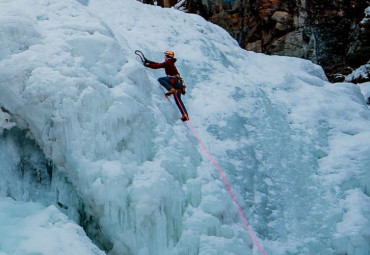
(30, 228)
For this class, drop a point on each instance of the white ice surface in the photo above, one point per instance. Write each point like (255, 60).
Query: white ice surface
(293, 146)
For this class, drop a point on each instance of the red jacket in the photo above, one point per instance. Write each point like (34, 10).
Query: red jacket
(168, 65)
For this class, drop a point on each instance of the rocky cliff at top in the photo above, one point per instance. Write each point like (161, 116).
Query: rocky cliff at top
(332, 33)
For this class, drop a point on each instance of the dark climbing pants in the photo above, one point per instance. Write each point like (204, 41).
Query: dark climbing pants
(175, 83)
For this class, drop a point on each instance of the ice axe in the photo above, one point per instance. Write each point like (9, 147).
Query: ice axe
(141, 56)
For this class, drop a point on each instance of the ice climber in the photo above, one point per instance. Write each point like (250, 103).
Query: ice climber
(172, 82)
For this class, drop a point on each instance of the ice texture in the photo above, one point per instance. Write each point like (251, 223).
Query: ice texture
(85, 128)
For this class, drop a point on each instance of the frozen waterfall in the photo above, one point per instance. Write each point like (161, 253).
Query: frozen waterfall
(94, 158)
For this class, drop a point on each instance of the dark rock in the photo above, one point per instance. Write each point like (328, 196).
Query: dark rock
(332, 33)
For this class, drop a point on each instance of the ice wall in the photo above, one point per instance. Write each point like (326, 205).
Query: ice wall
(293, 146)
(90, 106)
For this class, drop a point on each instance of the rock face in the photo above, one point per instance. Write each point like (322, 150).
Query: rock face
(332, 33)
(163, 3)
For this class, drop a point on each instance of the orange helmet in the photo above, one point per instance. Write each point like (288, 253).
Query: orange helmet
(169, 54)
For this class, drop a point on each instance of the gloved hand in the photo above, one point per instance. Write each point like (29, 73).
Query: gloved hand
(146, 63)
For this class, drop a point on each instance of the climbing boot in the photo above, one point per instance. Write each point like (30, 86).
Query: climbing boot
(185, 117)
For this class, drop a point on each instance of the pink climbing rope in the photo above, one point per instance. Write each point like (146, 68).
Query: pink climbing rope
(255, 240)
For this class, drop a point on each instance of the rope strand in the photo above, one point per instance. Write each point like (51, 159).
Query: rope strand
(255, 240)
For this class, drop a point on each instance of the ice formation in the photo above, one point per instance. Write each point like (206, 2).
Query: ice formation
(85, 128)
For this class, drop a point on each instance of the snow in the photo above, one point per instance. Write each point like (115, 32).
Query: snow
(365, 90)
(85, 129)
(360, 73)
(367, 15)
(29, 228)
